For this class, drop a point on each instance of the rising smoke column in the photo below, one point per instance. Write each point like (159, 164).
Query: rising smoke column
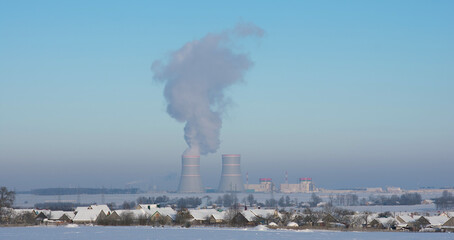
(195, 78)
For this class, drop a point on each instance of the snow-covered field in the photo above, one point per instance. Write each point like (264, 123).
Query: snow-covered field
(258, 233)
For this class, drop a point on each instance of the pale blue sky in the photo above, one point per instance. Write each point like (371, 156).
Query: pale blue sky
(352, 93)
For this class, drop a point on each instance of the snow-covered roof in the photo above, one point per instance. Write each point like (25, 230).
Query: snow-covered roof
(89, 214)
(264, 212)
(386, 221)
(103, 207)
(166, 211)
(80, 209)
(437, 220)
(448, 214)
(202, 214)
(371, 217)
(248, 215)
(251, 214)
(55, 215)
(219, 215)
(405, 218)
(46, 212)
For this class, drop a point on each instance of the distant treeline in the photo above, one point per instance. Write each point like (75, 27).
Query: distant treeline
(445, 202)
(76, 191)
(64, 206)
(404, 199)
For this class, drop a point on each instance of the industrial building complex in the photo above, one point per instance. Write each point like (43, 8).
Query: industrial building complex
(232, 179)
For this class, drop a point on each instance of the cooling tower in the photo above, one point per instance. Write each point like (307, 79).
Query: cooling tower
(190, 181)
(231, 180)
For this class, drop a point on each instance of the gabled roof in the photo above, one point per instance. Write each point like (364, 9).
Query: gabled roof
(166, 212)
(80, 209)
(251, 214)
(56, 215)
(103, 207)
(448, 214)
(406, 218)
(385, 221)
(219, 215)
(437, 220)
(89, 214)
(248, 215)
(371, 217)
(46, 212)
(264, 213)
(202, 214)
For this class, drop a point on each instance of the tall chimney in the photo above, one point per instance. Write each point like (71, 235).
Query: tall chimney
(231, 179)
(190, 181)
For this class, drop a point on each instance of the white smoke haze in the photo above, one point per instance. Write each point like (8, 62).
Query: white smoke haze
(195, 78)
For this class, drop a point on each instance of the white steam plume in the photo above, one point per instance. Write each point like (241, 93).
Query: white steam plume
(195, 77)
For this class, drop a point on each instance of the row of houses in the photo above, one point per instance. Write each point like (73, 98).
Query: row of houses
(166, 215)
(444, 221)
(152, 213)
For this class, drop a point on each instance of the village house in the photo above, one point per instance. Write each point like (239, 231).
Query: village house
(434, 222)
(85, 215)
(383, 223)
(61, 216)
(164, 215)
(205, 216)
(127, 216)
(448, 226)
(403, 221)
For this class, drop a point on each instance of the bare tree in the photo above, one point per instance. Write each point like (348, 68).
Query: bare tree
(365, 217)
(183, 216)
(127, 218)
(315, 200)
(6, 197)
(6, 201)
(251, 200)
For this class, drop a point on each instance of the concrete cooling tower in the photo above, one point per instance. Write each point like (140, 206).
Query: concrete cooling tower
(231, 179)
(190, 181)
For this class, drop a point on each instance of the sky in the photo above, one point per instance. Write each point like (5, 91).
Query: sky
(350, 93)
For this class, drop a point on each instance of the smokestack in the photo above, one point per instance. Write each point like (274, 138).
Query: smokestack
(231, 180)
(190, 181)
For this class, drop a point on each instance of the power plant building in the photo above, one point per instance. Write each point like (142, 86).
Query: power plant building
(265, 186)
(231, 178)
(190, 181)
(305, 185)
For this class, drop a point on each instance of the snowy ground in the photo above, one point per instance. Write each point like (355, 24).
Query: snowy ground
(258, 233)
